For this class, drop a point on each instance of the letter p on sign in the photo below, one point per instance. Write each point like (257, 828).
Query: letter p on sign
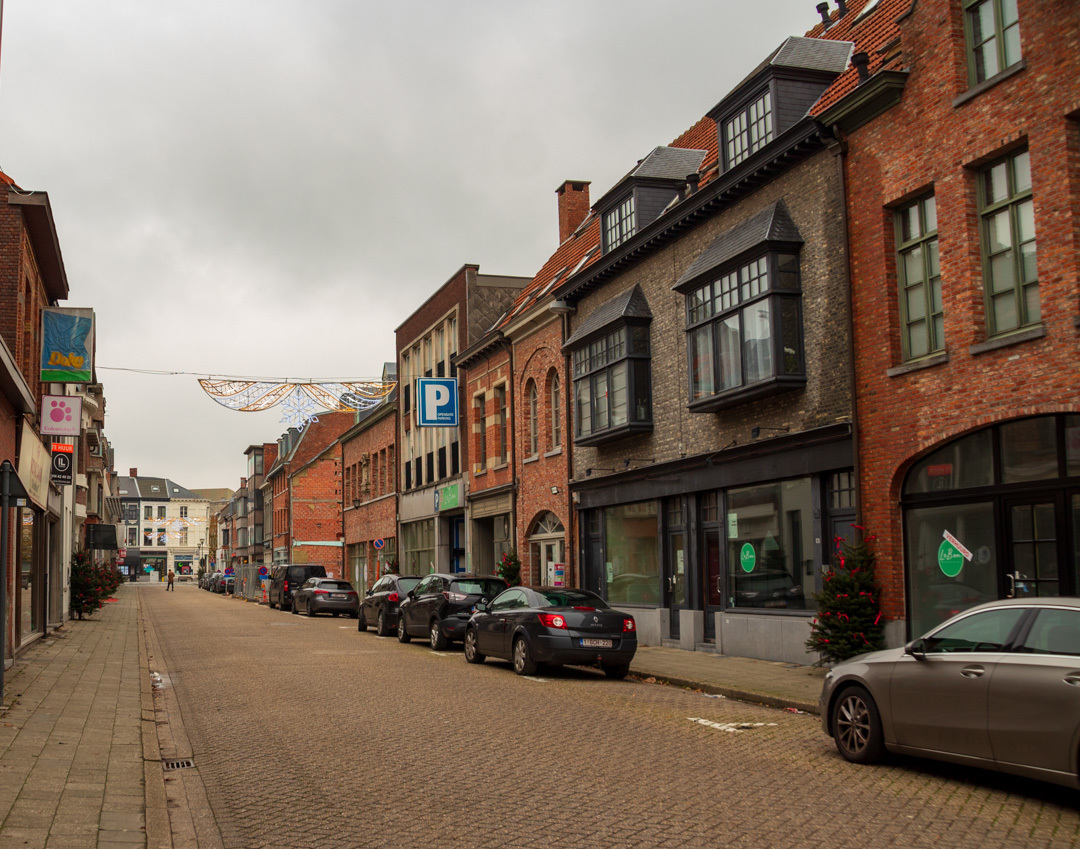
(437, 402)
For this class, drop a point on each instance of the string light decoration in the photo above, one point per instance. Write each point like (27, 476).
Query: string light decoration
(300, 401)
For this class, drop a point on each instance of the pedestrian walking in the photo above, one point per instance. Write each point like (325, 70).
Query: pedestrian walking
(171, 585)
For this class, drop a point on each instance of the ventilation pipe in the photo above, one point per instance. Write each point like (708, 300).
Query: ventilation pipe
(861, 61)
(823, 9)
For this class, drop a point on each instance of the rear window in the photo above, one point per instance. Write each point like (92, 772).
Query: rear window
(478, 586)
(571, 598)
(406, 584)
(335, 585)
(299, 574)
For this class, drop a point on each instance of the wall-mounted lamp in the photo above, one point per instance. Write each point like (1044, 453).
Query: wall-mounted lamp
(554, 490)
(755, 432)
(356, 502)
(588, 472)
(629, 460)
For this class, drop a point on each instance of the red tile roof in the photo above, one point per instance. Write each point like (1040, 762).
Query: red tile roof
(870, 35)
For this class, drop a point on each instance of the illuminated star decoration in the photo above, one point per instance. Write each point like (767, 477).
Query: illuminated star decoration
(301, 401)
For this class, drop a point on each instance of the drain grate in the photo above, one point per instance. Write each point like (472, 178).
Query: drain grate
(177, 763)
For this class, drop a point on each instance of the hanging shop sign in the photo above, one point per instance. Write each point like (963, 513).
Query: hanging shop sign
(437, 402)
(63, 457)
(34, 465)
(60, 415)
(67, 345)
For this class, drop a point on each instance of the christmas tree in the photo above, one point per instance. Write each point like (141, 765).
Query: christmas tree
(849, 615)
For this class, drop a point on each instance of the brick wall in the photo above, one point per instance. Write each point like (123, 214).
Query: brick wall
(927, 143)
(481, 408)
(376, 490)
(316, 512)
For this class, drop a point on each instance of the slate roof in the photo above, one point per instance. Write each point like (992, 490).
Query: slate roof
(670, 163)
(813, 54)
(153, 489)
(630, 304)
(772, 224)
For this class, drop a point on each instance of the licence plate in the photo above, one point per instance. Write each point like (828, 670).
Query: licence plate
(338, 595)
(596, 644)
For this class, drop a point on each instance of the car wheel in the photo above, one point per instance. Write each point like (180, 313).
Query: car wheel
(270, 602)
(361, 622)
(435, 635)
(472, 652)
(402, 633)
(617, 673)
(856, 726)
(292, 609)
(523, 662)
(381, 628)
(309, 610)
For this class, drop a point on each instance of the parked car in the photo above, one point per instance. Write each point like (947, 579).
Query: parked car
(768, 588)
(381, 603)
(325, 594)
(285, 579)
(535, 625)
(225, 584)
(997, 686)
(211, 581)
(441, 604)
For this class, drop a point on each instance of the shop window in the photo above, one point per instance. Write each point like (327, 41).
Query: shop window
(1029, 450)
(962, 464)
(418, 547)
(632, 548)
(993, 37)
(919, 272)
(1010, 268)
(770, 532)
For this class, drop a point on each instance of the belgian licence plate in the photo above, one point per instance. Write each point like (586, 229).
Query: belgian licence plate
(337, 595)
(596, 644)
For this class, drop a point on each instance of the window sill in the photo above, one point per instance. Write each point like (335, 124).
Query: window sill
(988, 84)
(614, 433)
(768, 611)
(735, 398)
(555, 452)
(530, 459)
(480, 474)
(937, 359)
(1015, 338)
(499, 466)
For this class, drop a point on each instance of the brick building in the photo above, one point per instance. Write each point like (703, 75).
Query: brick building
(962, 153)
(710, 363)
(369, 491)
(515, 377)
(431, 504)
(302, 491)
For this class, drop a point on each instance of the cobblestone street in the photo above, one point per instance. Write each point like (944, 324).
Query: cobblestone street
(306, 733)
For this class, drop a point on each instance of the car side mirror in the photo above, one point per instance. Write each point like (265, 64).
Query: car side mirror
(369, 592)
(410, 594)
(481, 606)
(917, 649)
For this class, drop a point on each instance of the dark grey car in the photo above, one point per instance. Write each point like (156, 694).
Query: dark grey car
(552, 625)
(997, 686)
(439, 606)
(325, 595)
(380, 605)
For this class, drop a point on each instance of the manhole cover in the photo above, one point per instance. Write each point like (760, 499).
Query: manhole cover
(177, 763)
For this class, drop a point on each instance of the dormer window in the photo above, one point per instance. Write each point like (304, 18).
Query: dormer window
(749, 130)
(620, 224)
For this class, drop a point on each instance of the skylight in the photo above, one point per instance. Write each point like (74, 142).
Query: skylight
(867, 9)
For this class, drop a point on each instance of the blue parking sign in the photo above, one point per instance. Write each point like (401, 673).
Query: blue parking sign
(437, 402)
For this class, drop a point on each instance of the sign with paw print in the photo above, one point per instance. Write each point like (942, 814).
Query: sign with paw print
(61, 415)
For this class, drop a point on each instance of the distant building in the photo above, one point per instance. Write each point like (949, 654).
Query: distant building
(165, 523)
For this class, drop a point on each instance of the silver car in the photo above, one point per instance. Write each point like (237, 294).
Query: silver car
(997, 686)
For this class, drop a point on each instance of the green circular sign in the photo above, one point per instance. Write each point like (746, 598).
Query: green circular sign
(747, 557)
(949, 559)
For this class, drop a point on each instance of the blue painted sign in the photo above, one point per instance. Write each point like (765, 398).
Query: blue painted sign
(437, 402)
(379, 543)
(67, 345)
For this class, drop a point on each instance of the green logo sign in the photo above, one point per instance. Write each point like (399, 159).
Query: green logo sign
(949, 559)
(447, 498)
(747, 557)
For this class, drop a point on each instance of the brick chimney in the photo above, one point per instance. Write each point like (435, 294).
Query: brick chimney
(133, 473)
(573, 206)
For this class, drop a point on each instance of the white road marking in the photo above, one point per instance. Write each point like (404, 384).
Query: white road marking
(730, 727)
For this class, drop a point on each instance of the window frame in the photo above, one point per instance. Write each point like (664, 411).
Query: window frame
(905, 248)
(990, 210)
(533, 407)
(748, 123)
(620, 222)
(589, 364)
(556, 411)
(502, 419)
(971, 13)
(773, 294)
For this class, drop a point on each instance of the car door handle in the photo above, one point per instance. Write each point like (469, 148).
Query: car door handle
(972, 671)
(1072, 678)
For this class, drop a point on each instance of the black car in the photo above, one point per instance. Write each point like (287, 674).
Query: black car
(441, 604)
(211, 581)
(325, 594)
(552, 625)
(380, 606)
(285, 579)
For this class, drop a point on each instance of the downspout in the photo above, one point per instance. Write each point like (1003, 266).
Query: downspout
(839, 152)
(573, 544)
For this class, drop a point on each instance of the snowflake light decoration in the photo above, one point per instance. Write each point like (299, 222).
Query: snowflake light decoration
(299, 410)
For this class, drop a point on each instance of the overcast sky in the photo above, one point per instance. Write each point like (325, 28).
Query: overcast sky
(269, 188)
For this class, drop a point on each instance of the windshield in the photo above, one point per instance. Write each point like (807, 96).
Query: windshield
(571, 598)
(478, 586)
(406, 584)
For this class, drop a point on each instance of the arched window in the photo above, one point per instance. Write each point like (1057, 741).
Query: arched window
(534, 421)
(556, 411)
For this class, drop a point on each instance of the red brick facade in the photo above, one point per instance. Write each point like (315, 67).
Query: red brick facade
(369, 496)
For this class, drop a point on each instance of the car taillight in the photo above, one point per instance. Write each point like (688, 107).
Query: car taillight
(553, 620)
(589, 609)
(393, 598)
(628, 625)
(321, 592)
(449, 596)
(285, 588)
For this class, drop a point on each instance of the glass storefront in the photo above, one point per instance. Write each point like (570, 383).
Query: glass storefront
(633, 553)
(770, 546)
(28, 589)
(994, 514)
(418, 547)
